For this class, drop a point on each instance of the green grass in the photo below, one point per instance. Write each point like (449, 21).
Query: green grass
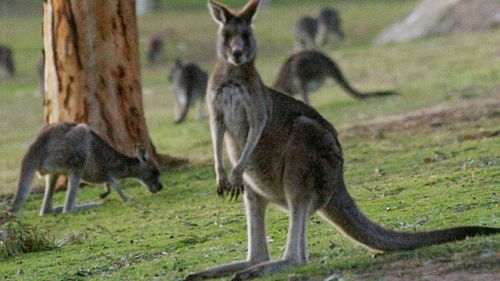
(186, 227)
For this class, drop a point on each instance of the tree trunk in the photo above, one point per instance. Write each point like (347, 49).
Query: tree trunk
(92, 71)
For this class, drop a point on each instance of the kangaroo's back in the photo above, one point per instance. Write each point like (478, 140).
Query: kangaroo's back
(189, 84)
(303, 72)
(191, 78)
(306, 71)
(57, 149)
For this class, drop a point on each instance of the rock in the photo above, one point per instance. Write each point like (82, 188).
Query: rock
(432, 17)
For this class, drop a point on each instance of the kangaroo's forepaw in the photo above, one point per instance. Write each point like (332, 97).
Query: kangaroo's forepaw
(104, 194)
(236, 186)
(223, 186)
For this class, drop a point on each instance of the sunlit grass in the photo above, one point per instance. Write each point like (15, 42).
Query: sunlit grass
(186, 227)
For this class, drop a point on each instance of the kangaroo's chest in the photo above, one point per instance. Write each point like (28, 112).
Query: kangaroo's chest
(231, 100)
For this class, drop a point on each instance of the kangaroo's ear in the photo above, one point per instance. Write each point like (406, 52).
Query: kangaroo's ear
(249, 12)
(140, 153)
(220, 13)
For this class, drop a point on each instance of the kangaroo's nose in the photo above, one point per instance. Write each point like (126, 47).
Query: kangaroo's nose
(237, 54)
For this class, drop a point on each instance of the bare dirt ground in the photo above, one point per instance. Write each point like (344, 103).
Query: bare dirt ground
(466, 268)
(432, 118)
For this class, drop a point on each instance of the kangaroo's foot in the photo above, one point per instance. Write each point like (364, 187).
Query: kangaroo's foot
(77, 208)
(260, 270)
(47, 210)
(219, 271)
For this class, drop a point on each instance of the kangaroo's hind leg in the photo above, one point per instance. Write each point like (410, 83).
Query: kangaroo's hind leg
(70, 201)
(50, 183)
(255, 206)
(306, 179)
(299, 209)
(73, 185)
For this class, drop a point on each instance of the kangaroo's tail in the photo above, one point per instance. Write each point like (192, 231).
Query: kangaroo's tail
(343, 213)
(185, 107)
(337, 74)
(28, 170)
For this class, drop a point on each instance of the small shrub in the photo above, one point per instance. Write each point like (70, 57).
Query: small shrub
(17, 238)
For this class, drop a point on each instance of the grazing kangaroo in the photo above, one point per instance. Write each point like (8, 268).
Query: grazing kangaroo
(329, 23)
(189, 84)
(305, 31)
(79, 152)
(305, 72)
(283, 152)
(7, 65)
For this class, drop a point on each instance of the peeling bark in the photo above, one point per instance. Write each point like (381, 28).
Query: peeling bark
(92, 70)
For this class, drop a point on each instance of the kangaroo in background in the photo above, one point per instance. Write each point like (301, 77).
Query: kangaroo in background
(189, 83)
(80, 153)
(284, 152)
(329, 23)
(40, 71)
(305, 31)
(156, 49)
(306, 71)
(7, 65)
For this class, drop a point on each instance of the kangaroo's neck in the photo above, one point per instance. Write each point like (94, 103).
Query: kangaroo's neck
(125, 167)
(245, 72)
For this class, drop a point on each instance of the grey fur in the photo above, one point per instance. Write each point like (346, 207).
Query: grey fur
(7, 65)
(305, 72)
(80, 153)
(305, 31)
(40, 71)
(284, 152)
(156, 49)
(329, 23)
(189, 84)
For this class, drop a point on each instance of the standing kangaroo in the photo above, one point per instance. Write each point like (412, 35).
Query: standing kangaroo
(81, 154)
(306, 71)
(305, 31)
(189, 83)
(329, 23)
(283, 152)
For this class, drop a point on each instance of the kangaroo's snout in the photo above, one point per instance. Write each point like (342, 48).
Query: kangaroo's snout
(236, 49)
(237, 54)
(155, 188)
